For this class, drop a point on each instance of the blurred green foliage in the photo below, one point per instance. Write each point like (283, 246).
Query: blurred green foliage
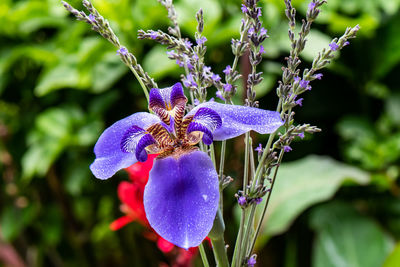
(61, 85)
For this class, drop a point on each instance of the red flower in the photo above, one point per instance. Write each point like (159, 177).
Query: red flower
(131, 196)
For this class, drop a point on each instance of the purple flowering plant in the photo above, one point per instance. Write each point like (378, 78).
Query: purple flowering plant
(183, 198)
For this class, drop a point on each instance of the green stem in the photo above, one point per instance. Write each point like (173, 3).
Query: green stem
(246, 162)
(257, 232)
(203, 255)
(217, 239)
(248, 227)
(140, 82)
(221, 174)
(212, 152)
(238, 244)
(220, 252)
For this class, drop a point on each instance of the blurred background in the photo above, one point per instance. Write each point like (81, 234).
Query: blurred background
(336, 200)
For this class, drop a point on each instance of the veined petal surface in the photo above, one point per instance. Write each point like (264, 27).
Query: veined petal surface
(206, 121)
(237, 120)
(181, 198)
(168, 102)
(109, 156)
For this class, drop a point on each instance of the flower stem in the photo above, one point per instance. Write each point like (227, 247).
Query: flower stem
(203, 255)
(217, 239)
(221, 175)
(238, 243)
(140, 82)
(246, 236)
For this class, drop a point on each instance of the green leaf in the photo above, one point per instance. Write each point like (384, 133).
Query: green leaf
(346, 238)
(301, 184)
(157, 64)
(107, 71)
(393, 259)
(187, 10)
(13, 220)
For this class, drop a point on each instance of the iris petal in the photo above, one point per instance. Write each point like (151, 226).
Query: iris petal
(237, 120)
(109, 156)
(181, 198)
(168, 102)
(205, 120)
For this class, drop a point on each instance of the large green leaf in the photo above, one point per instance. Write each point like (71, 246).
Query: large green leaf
(303, 183)
(394, 258)
(347, 239)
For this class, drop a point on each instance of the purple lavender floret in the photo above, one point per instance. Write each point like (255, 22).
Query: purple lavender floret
(301, 135)
(188, 43)
(334, 46)
(263, 31)
(189, 81)
(227, 70)
(92, 18)
(219, 95)
(311, 6)
(287, 149)
(258, 200)
(318, 76)
(201, 40)
(122, 51)
(251, 261)
(179, 63)
(258, 12)
(262, 50)
(171, 54)
(299, 102)
(153, 35)
(244, 8)
(242, 201)
(216, 77)
(259, 149)
(227, 87)
(304, 83)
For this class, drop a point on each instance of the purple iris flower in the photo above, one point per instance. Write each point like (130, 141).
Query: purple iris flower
(182, 194)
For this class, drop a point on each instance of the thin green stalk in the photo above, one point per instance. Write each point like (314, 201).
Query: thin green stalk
(257, 232)
(140, 82)
(246, 162)
(249, 226)
(252, 164)
(221, 174)
(238, 243)
(203, 255)
(212, 152)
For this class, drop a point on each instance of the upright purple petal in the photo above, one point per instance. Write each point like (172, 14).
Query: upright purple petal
(168, 102)
(237, 120)
(109, 156)
(205, 120)
(181, 198)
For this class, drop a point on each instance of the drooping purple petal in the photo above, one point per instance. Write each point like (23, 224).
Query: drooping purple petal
(237, 120)
(181, 198)
(109, 156)
(205, 120)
